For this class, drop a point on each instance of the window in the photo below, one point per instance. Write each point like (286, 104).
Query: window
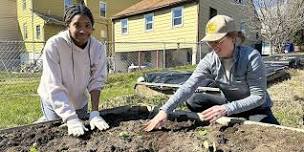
(124, 26)
(212, 12)
(257, 35)
(68, 3)
(23, 4)
(149, 19)
(102, 9)
(177, 16)
(241, 2)
(38, 32)
(24, 31)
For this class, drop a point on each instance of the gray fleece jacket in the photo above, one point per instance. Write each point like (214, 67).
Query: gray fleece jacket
(244, 90)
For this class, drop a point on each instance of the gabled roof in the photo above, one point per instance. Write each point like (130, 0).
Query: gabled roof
(50, 19)
(149, 5)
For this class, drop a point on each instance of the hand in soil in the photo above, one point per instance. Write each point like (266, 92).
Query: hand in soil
(214, 113)
(75, 127)
(97, 121)
(157, 122)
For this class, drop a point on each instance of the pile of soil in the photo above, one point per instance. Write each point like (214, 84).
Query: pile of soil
(126, 134)
(255, 138)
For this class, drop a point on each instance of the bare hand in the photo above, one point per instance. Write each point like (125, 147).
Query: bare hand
(214, 113)
(157, 121)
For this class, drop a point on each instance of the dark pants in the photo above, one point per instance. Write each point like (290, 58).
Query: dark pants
(199, 102)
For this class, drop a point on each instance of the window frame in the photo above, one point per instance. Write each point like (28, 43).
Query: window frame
(38, 37)
(181, 17)
(127, 28)
(105, 11)
(151, 22)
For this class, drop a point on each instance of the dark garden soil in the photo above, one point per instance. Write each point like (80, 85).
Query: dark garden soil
(126, 134)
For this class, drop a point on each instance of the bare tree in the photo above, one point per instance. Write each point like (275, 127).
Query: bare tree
(277, 20)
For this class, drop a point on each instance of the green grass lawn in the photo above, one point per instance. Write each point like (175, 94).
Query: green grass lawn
(20, 103)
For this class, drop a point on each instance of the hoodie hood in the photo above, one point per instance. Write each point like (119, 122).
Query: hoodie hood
(66, 36)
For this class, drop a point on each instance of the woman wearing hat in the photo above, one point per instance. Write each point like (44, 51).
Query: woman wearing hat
(237, 70)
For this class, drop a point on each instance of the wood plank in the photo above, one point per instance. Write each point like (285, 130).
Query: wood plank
(163, 85)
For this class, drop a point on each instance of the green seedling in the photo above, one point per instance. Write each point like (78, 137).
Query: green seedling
(201, 132)
(33, 148)
(124, 135)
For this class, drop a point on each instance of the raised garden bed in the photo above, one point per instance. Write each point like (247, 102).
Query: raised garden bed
(182, 133)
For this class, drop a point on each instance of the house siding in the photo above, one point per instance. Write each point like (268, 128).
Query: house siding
(49, 7)
(162, 30)
(103, 25)
(8, 20)
(28, 18)
(223, 7)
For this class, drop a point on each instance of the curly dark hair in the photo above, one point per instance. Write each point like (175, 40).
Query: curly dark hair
(81, 9)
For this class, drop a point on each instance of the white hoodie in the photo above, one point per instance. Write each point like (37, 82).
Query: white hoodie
(70, 72)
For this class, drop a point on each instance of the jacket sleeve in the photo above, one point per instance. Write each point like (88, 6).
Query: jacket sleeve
(57, 93)
(188, 88)
(256, 80)
(99, 69)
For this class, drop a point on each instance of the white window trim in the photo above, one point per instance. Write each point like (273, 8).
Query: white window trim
(145, 25)
(126, 19)
(172, 17)
(102, 2)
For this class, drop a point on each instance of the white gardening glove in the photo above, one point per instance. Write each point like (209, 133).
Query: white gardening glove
(97, 121)
(75, 127)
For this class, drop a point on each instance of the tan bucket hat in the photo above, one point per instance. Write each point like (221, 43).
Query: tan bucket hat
(218, 26)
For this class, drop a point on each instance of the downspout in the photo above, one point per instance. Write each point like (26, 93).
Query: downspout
(198, 47)
(33, 34)
(113, 44)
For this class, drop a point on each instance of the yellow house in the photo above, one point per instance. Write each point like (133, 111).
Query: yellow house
(40, 19)
(157, 33)
(103, 10)
(165, 33)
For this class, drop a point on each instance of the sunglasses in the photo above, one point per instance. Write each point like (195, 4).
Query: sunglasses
(216, 44)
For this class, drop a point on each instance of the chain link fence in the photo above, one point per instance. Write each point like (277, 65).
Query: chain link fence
(133, 56)
(20, 67)
(21, 64)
